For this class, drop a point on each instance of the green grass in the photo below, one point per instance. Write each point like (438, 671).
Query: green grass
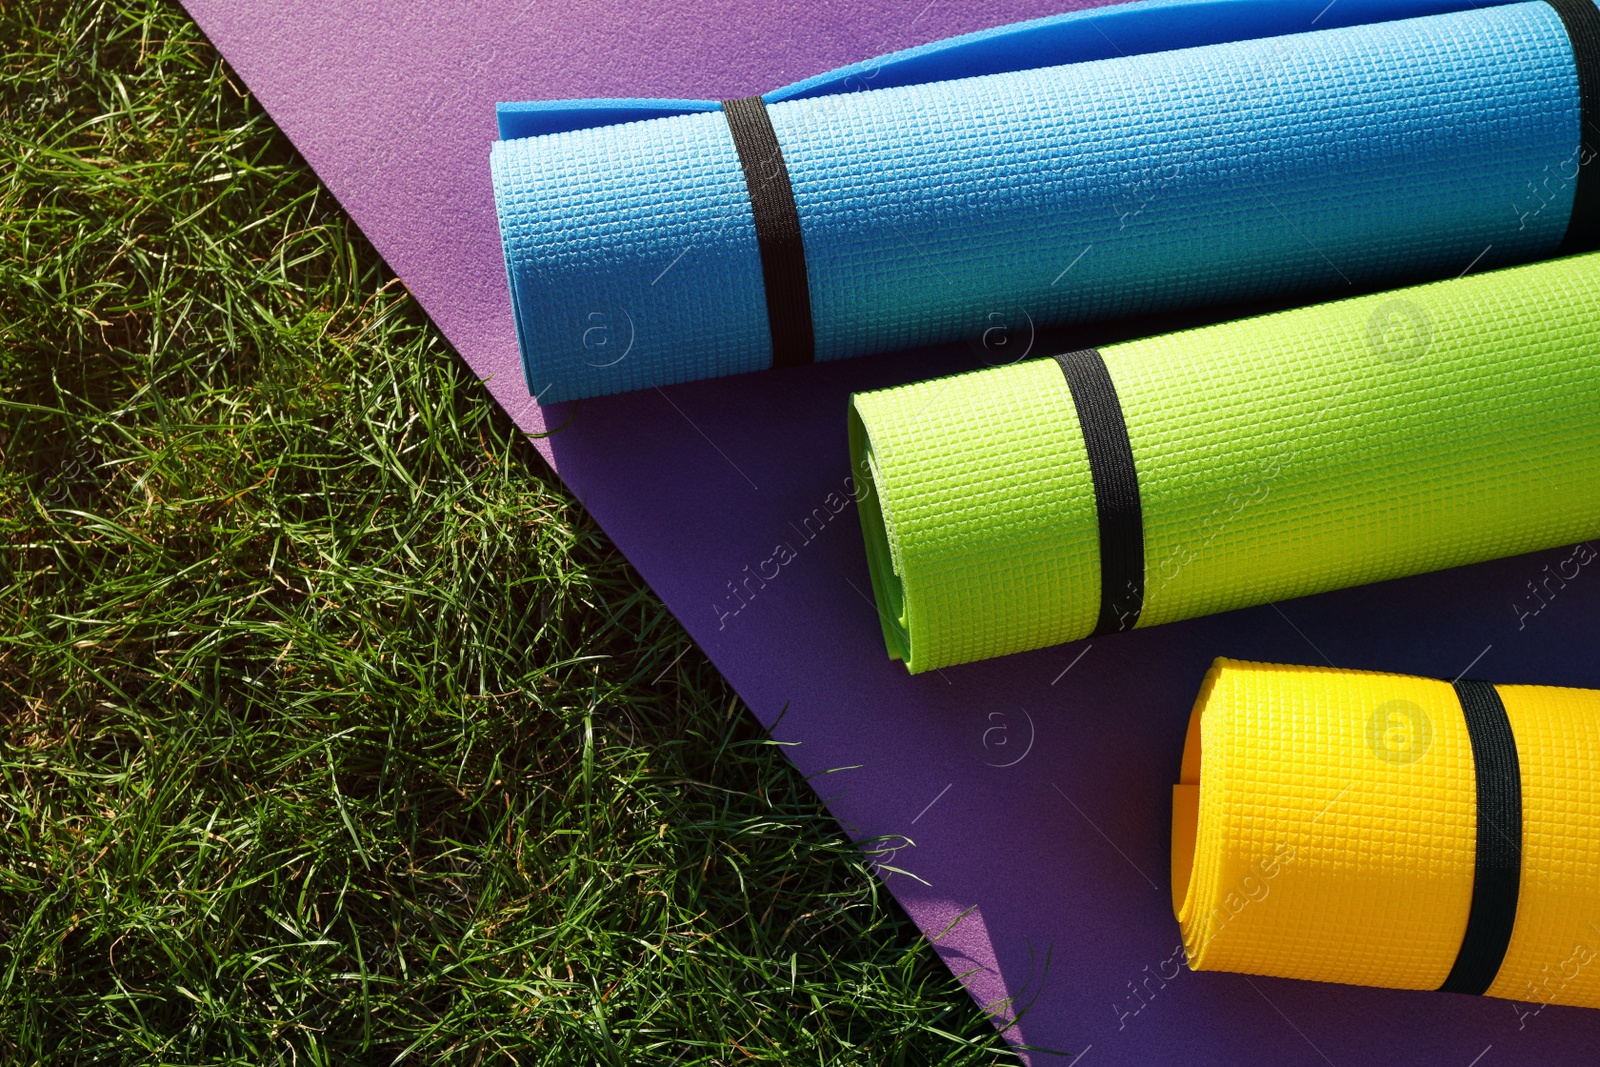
(331, 729)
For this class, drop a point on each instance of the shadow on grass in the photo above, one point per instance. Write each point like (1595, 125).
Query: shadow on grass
(331, 730)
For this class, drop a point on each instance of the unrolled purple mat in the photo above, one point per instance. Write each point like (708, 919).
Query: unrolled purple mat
(1034, 790)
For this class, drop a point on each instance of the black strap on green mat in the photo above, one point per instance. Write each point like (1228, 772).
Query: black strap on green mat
(1497, 877)
(783, 254)
(1582, 20)
(1116, 489)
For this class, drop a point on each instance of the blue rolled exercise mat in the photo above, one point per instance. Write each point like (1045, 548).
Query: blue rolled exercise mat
(1129, 160)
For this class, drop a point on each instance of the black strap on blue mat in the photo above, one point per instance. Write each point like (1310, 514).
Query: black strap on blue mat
(1116, 489)
(1582, 19)
(1497, 878)
(783, 255)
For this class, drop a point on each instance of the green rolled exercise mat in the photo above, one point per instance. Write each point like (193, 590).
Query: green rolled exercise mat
(1264, 459)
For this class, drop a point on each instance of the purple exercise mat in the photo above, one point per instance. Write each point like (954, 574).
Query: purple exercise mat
(1031, 793)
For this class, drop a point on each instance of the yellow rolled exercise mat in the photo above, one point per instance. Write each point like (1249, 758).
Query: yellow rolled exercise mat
(1022, 506)
(1383, 830)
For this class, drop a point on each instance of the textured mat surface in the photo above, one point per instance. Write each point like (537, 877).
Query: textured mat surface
(1028, 798)
(1331, 823)
(931, 212)
(1279, 456)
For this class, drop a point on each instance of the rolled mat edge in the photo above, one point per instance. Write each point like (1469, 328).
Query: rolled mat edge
(1279, 456)
(1327, 826)
(637, 253)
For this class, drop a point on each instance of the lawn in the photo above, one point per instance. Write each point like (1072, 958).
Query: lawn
(332, 730)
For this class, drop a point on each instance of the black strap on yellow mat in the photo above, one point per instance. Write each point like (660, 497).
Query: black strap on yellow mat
(1116, 489)
(783, 254)
(1498, 875)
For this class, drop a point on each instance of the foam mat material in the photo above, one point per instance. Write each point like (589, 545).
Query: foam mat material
(1368, 155)
(1280, 456)
(1324, 828)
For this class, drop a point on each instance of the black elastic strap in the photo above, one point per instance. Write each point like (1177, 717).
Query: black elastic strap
(1497, 877)
(1116, 489)
(1582, 19)
(783, 255)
